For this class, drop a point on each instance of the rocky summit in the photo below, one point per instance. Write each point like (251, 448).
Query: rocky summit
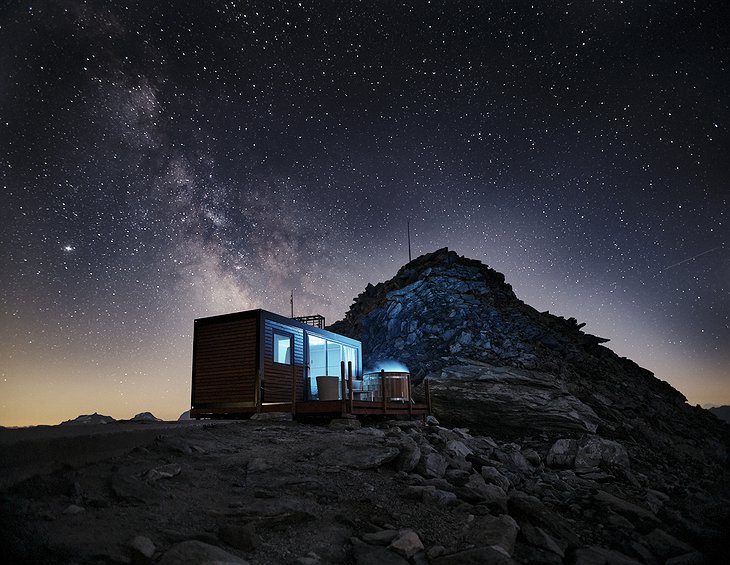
(500, 367)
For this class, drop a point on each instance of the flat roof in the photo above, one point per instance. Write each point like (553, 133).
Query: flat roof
(235, 316)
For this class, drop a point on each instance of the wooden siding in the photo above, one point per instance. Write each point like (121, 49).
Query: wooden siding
(277, 378)
(224, 370)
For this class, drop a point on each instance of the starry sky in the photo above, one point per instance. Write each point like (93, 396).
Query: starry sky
(167, 160)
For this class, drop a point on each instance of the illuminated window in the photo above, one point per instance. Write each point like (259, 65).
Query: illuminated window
(282, 349)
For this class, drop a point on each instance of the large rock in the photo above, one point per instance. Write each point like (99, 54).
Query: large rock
(588, 453)
(409, 456)
(494, 531)
(432, 464)
(196, 552)
(500, 400)
(594, 451)
(407, 544)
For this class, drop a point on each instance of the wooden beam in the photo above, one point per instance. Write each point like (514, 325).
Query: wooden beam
(427, 387)
(258, 390)
(410, 400)
(343, 387)
(349, 384)
(293, 377)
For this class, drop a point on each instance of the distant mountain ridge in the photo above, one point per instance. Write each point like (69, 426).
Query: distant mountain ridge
(88, 419)
(722, 412)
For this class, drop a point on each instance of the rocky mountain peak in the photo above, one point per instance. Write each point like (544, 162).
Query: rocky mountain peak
(442, 307)
(500, 367)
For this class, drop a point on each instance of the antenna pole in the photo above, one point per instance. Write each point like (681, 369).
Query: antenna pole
(408, 223)
(291, 301)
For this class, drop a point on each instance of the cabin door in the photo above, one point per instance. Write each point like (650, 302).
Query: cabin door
(315, 363)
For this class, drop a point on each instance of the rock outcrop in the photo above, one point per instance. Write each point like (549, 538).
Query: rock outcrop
(497, 365)
(500, 367)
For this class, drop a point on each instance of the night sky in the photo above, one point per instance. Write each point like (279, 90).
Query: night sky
(167, 160)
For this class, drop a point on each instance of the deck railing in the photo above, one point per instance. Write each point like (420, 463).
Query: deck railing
(391, 393)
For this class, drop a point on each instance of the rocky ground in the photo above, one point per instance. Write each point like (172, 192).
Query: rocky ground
(275, 491)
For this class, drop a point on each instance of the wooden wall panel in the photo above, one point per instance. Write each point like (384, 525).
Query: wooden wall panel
(225, 363)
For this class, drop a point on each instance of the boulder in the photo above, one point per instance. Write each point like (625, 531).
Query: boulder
(562, 454)
(409, 456)
(594, 451)
(431, 464)
(589, 453)
(499, 400)
(407, 544)
(142, 548)
(513, 459)
(494, 531)
(494, 477)
(195, 552)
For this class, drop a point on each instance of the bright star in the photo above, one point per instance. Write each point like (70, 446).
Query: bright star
(68, 248)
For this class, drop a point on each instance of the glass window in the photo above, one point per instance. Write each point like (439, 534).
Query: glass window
(282, 349)
(350, 356)
(317, 356)
(334, 356)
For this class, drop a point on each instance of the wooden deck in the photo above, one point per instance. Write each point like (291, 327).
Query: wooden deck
(346, 405)
(357, 407)
(335, 408)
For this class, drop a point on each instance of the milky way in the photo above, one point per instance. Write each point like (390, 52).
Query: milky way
(162, 161)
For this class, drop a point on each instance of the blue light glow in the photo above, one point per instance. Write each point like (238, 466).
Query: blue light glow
(389, 366)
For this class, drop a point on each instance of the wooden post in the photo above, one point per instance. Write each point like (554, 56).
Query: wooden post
(382, 390)
(343, 387)
(410, 401)
(257, 391)
(349, 383)
(427, 386)
(293, 383)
